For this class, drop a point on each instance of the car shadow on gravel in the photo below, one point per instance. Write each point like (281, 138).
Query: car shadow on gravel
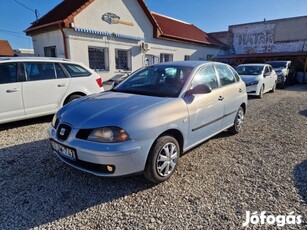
(300, 177)
(304, 112)
(27, 122)
(37, 188)
(297, 88)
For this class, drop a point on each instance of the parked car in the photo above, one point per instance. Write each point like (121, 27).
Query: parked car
(115, 80)
(32, 87)
(259, 78)
(282, 69)
(146, 122)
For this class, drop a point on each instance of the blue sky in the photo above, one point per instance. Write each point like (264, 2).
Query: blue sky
(209, 15)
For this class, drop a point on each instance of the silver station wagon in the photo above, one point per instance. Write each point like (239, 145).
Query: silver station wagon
(146, 122)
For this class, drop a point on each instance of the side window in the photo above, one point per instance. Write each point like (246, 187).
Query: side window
(59, 71)
(76, 70)
(237, 76)
(37, 71)
(266, 70)
(206, 75)
(226, 76)
(8, 73)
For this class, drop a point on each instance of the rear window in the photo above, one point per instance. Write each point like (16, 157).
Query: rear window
(8, 73)
(76, 70)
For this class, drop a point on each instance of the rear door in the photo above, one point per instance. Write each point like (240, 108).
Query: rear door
(205, 110)
(45, 87)
(11, 104)
(233, 91)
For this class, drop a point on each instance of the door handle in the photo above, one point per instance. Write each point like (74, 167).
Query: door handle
(12, 90)
(240, 90)
(62, 85)
(221, 98)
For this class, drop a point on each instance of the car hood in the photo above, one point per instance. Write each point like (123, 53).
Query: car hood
(250, 78)
(105, 109)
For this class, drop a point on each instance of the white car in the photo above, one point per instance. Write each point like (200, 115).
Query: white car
(258, 78)
(32, 87)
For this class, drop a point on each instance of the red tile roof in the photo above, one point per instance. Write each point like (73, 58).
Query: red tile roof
(5, 49)
(63, 13)
(164, 27)
(174, 29)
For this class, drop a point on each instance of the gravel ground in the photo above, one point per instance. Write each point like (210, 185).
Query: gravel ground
(264, 168)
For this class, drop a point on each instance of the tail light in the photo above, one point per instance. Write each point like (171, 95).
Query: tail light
(99, 82)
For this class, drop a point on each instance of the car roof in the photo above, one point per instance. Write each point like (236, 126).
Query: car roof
(277, 61)
(192, 64)
(253, 64)
(33, 59)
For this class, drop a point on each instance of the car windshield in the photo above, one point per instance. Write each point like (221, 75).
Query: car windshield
(249, 70)
(277, 65)
(159, 80)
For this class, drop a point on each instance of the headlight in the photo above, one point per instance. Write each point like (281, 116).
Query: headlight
(252, 83)
(109, 134)
(54, 122)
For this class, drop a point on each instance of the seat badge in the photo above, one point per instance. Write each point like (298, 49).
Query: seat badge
(62, 131)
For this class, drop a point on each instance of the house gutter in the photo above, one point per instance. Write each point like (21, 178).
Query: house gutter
(64, 41)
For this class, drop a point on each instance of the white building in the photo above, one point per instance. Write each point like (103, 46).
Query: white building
(116, 36)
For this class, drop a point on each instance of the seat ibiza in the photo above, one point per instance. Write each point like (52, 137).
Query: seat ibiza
(146, 122)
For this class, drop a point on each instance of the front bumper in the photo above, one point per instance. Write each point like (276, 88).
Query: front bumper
(98, 158)
(280, 79)
(252, 90)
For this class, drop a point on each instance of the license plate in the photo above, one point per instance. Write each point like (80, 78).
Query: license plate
(63, 150)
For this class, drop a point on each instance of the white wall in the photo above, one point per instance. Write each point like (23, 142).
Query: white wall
(262, 38)
(129, 11)
(53, 38)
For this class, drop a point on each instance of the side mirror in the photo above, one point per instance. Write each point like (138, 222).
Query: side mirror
(267, 74)
(199, 89)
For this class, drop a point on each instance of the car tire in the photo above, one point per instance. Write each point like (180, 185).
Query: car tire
(162, 159)
(72, 98)
(238, 122)
(273, 89)
(261, 92)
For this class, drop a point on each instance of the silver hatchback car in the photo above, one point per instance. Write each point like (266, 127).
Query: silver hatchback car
(146, 122)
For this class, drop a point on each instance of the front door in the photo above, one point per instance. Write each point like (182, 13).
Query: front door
(205, 110)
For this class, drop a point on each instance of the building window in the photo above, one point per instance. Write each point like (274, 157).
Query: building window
(187, 57)
(123, 59)
(50, 51)
(98, 58)
(166, 57)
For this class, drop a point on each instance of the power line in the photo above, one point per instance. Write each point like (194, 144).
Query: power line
(12, 33)
(28, 8)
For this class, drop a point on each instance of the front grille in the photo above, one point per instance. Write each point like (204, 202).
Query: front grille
(63, 132)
